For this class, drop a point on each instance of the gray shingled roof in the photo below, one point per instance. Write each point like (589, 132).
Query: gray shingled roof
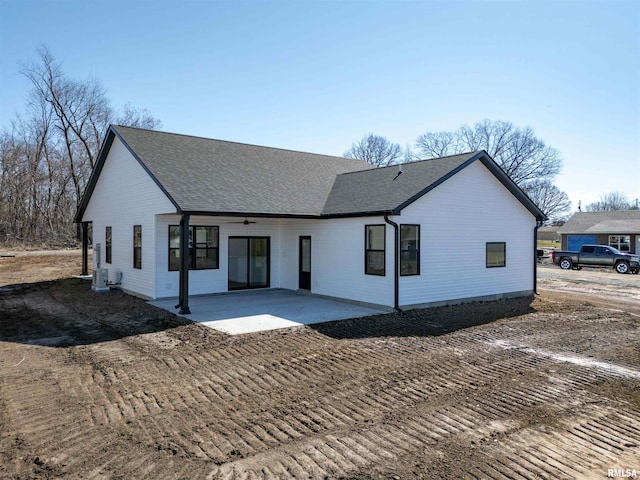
(620, 222)
(201, 175)
(383, 190)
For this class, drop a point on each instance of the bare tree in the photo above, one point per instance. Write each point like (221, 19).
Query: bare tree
(80, 113)
(610, 202)
(135, 117)
(553, 202)
(522, 155)
(14, 182)
(408, 155)
(376, 150)
(47, 154)
(437, 144)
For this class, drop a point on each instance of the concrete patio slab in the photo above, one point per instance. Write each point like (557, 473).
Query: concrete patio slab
(260, 310)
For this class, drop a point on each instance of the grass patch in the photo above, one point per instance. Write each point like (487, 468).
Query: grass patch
(548, 244)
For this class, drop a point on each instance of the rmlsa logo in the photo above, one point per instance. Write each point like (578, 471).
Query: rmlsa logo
(621, 473)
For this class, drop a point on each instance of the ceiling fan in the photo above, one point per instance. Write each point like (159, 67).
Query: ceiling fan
(244, 222)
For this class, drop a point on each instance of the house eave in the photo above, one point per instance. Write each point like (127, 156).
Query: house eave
(601, 232)
(311, 216)
(223, 213)
(371, 213)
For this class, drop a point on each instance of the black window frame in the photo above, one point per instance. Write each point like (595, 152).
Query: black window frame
(407, 252)
(368, 251)
(193, 248)
(249, 284)
(504, 253)
(108, 242)
(137, 248)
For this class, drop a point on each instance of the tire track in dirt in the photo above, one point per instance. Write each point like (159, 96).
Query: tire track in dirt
(593, 445)
(406, 439)
(323, 423)
(391, 441)
(301, 403)
(315, 420)
(245, 382)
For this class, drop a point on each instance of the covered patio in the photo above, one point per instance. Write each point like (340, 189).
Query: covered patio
(260, 310)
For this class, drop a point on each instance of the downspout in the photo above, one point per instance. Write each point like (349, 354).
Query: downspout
(396, 270)
(535, 256)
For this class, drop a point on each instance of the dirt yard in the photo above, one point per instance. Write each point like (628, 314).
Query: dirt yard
(105, 386)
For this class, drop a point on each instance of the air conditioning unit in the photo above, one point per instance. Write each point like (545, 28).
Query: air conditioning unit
(100, 279)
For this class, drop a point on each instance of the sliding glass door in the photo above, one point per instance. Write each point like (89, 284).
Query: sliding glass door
(248, 262)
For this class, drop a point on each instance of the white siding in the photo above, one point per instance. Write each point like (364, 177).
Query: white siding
(456, 220)
(289, 254)
(125, 196)
(337, 262)
(214, 280)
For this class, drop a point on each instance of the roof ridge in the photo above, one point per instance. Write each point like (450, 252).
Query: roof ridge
(631, 211)
(470, 152)
(413, 162)
(236, 143)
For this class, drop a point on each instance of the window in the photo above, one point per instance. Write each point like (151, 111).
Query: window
(621, 242)
(203, 253)
(496, 254)
(374, 246)
(107, 245)
(409, 249)
(249, 262)
(137, 246)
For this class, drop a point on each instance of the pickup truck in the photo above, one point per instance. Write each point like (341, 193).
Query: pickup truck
(597, 256)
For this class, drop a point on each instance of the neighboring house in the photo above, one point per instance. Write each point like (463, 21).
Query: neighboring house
(429, 232)
(549, 234)
(619, 229)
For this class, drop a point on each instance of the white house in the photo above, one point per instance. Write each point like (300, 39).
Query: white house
(430, 232)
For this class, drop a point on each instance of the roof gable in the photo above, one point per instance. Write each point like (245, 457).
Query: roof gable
(206, 176)
(214, 176)
(390, 189)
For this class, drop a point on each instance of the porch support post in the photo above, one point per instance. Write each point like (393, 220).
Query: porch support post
(85, 248)
(184, 265)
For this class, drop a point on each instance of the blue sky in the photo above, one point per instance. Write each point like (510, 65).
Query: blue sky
(317, 75)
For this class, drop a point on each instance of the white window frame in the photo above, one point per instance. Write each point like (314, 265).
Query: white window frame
(621, 242)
